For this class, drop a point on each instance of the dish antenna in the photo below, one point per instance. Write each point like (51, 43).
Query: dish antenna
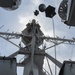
(66, 12)
(10, 4)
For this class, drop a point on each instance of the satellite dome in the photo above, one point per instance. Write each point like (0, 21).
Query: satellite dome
(15, 5)
(42, 7)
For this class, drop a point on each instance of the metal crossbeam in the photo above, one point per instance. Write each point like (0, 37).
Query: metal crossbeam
(9, 41)
(57, 39)
(12, 34)
(54, 60)
(53, 46)
(23, 63)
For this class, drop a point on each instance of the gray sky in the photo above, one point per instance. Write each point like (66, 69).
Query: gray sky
(16, 21)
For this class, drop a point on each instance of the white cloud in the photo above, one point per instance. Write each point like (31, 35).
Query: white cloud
(36, 1)
(25, 19)
(22, 20)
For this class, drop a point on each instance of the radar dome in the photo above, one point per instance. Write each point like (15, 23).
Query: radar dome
(15, 5)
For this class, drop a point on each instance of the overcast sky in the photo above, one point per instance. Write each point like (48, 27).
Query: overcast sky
(16, 21)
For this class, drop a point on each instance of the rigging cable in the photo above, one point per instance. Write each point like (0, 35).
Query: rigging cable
(72, 52)
(1, 26)
(49, 66)
(54, 43)
(57, 45)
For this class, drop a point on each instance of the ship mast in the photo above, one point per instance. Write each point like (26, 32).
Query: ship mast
(33, 37)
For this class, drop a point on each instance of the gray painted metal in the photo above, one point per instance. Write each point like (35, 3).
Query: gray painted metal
(8, 66)
(27, 69)
(10, 34)
(68, 68)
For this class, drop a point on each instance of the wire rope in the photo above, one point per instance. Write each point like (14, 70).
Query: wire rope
(54, 44)
(49, 66)
(72, 52)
